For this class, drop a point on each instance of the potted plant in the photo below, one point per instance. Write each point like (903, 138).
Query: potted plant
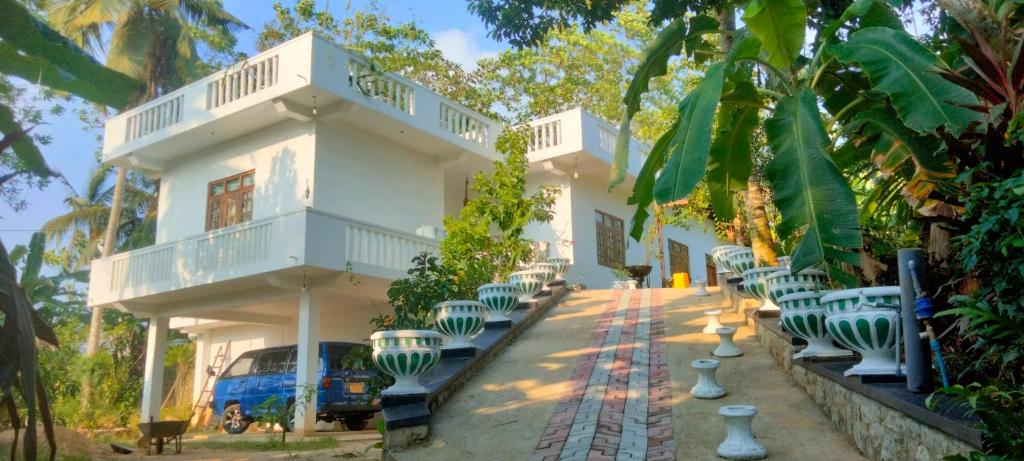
(623, 279)
(407, 347)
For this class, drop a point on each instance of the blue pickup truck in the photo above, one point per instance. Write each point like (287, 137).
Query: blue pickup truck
(259, 374)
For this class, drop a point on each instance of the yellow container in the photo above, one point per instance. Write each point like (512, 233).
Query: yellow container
(680, 280)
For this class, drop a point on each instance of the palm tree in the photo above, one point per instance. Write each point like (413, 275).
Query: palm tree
(152, 40)
(82, 227)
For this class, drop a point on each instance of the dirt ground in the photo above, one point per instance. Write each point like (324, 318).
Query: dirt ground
(74, 446)
(503, 411)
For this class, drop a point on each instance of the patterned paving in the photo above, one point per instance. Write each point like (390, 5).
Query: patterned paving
(618, 403)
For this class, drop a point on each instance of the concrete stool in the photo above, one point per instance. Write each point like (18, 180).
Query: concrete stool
(700, 288)
(740, 442)
(707, 387)
(726, 348)
(713, 323)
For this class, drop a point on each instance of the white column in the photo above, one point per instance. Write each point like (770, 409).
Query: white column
(202, 361)
(306, 373)
(153, 379)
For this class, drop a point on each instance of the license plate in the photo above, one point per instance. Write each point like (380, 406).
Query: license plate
(357, 388)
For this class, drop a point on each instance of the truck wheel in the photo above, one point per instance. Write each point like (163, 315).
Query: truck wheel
(356, 423)
(233, 420)
(290, 418)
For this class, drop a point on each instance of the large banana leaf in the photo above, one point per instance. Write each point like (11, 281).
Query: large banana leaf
(643, 188)
(809, 191)
(780, 24)
(32, 50)
(654, 63)
(871, 13)
(691, 143)
(16, 137)
(730, 162)
(906, 71)
(898, 141)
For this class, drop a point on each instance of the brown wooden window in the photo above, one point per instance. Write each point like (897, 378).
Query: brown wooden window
(678, 257)
(611, 240)
(229, 200)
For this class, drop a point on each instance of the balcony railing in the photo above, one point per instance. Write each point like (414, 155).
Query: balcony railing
(293, 239)
(282, 71)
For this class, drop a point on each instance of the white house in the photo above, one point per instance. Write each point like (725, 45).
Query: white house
(296, 185)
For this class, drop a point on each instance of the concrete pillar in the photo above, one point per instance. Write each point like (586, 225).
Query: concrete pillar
(153, 377)
(306, 372)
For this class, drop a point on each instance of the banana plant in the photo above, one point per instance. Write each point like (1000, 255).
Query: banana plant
(875, 92)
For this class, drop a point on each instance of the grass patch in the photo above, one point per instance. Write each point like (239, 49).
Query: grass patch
(306, 444)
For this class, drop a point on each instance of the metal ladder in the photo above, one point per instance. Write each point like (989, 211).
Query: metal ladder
(201, 407)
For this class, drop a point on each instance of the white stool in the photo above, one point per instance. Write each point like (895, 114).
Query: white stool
(700, 288)
(726, 348)
(707, 387)
(740, 442)
(713, 323)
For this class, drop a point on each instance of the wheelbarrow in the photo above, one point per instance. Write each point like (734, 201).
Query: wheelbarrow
(157, 433)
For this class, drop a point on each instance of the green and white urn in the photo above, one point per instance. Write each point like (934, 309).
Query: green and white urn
(718, 255)
(550, 272)
(739, 260)
(500, 299)
(782, 282)
(562, 266)
(529, 283)
(803, 317)
(855, 320)
(405, 355)
(754, 283)
(460, 321)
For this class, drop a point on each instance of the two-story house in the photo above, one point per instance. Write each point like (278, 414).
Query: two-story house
(296, 185)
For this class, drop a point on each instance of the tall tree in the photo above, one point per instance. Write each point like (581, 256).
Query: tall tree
(154, 41)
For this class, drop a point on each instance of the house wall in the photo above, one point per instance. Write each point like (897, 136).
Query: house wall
(282, 156)
(367, 177)
(559, 231)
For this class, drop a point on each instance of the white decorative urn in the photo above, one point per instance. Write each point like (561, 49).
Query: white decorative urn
(707, 387)
(460, 321)
(754, 283)
(718, 255)
(562, 266)
(713, 323)
(782, 282)
(499, 298)
(700, 288)
(549, 270)
(405, 355)
(529, 283)
(726, 348)
(855, 320)
(803, 317)
(739, 260)
(740, 441)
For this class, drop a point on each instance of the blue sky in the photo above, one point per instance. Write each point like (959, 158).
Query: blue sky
(458, 33)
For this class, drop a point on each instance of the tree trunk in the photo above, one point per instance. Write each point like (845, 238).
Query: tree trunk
(975, 16)
(661, 243)
(726, 23)
(760, 232)
(109, 243)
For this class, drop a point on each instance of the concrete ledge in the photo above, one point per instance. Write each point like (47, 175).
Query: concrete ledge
(882, 419)
(407, 418)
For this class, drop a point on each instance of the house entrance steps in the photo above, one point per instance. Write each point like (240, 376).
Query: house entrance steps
(607, 375)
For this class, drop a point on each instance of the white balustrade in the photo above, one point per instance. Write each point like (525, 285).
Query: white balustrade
(154, 117)
(462, 124)
(607, 139)
(383, 248)
(236, 246)
(142, 267)
(242, 80)
(545, 135)
(384, 88)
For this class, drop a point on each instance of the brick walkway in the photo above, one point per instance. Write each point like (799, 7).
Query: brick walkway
(618, 403)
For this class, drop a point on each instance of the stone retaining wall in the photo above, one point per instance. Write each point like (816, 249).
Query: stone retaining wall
(878, 431)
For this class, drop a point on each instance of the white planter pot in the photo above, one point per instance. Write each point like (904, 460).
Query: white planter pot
(460, 321)
(872, 333)
(782, 282)
(754, 283)
(529, 283)
(860, 299)
(739, 260)
(700, 288)
(726, 348)
(405, 355)
(562, 267)
(713, 323)
(624, 284)
(718, 254)
(740, 442)
(707, 387)
(549, 270)
(803, 317)
(500, 299)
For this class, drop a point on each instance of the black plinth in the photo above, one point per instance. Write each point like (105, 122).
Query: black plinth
(497, 324)
(461, 352)
(883, 379)
(557, 283)
(527, 304)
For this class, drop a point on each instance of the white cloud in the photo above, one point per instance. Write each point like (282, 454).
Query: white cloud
(460, 46)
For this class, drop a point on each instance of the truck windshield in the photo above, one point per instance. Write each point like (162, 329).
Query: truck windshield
(336, 354)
